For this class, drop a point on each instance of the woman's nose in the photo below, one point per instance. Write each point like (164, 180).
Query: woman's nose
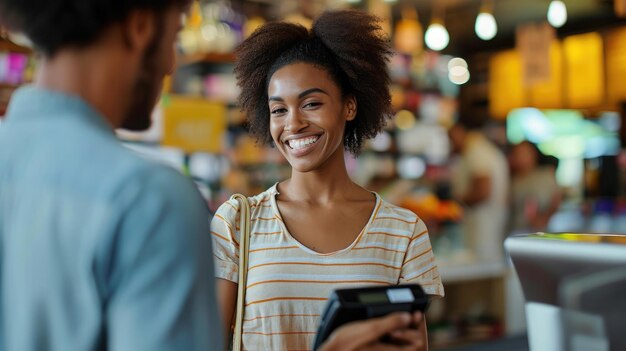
(295, 122)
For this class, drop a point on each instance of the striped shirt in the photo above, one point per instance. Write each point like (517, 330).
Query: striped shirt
(288, 284)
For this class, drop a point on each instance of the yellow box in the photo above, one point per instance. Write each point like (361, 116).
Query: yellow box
(506, 90)
(615, 42)
(549, 94)
(194, 124)
(584, 57)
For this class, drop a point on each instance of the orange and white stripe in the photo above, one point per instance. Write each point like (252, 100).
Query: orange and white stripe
(288, 284)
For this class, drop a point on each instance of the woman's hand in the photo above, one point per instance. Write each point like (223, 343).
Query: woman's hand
(407, 333)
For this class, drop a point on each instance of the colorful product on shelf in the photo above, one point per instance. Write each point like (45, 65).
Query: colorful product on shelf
(13, 68)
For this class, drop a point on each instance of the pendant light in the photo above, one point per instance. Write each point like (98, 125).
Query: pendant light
(409, 32)
(486, 27)
(557, 13)
(437, 37)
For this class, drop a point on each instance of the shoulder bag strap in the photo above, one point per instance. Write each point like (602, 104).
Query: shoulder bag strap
(244, 246)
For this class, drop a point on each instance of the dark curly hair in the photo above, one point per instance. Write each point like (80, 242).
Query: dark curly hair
(349, 44)
(55, 24)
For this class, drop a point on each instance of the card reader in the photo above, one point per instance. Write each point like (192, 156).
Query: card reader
(348, 305)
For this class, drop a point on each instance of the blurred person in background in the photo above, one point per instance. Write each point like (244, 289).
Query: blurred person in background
(535, 194)
(99, 248)
(480, 182)
(315, 94)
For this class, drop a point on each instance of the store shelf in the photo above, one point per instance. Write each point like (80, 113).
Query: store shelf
(6, 45)
(213, 58)
(458, 272)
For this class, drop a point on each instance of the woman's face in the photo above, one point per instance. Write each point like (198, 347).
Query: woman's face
(308, 115)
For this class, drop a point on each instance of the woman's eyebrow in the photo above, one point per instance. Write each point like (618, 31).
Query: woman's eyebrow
(301, 95)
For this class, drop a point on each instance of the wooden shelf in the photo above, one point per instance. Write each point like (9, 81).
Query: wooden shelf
(6, 45)
(213, 58)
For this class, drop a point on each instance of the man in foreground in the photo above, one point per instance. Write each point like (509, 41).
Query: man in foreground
(99, 248)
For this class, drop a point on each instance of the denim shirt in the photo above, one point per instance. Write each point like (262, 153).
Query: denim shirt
(99, 249)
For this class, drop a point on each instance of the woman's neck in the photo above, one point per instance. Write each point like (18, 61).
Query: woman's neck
(328, 183)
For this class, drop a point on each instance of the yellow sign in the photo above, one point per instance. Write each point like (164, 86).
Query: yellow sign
(584, 62)
(194, 124)
(533, 41)
(549, 94)
(616, 65)
(506, 90)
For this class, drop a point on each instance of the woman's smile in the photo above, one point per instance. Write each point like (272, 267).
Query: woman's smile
(299, 144)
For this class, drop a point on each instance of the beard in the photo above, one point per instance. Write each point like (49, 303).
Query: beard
(146, 89)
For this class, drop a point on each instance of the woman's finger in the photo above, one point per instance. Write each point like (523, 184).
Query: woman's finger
(358, 335)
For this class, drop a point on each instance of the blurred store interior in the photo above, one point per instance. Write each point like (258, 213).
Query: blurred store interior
(548, 73)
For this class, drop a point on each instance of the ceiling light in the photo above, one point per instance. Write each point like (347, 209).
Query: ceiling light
(437, 37)
(557, 13)
(486, 27)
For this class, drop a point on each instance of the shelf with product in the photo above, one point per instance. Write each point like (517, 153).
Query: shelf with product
(17, 66)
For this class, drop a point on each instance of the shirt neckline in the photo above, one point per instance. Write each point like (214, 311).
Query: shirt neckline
(273, 191)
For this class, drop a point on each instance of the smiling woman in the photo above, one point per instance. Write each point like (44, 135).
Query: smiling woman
(313, 95)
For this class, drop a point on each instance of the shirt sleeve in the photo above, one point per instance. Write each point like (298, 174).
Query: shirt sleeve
(419, 265)
(225, 237)
(162, 292)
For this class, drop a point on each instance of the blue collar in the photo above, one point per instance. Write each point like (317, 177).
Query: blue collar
(31, 103)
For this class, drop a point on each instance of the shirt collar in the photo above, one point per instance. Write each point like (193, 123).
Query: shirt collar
(32, 103)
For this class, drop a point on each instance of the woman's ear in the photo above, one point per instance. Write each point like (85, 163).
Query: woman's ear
(350, 108)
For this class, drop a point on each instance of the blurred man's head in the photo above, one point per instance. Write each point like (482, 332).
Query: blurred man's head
(457, 138)
(523, 158)
(141, 33)
(458, 132)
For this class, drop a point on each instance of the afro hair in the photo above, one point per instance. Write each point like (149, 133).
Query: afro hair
(349, 44)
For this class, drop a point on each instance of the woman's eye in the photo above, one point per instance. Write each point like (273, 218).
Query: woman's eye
(312, 104)
(278, 111)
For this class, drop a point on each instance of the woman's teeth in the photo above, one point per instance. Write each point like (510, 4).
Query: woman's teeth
(302, 143)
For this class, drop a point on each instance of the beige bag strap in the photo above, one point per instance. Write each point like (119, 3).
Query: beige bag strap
(244, 247)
